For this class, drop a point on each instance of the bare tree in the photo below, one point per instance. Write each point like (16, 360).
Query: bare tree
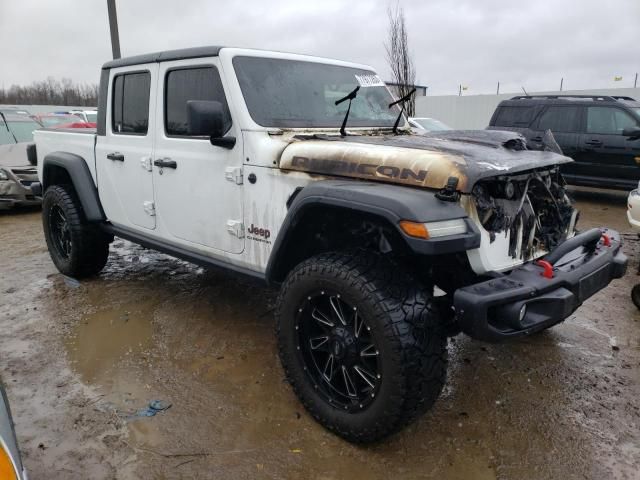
(51, 92)
(399, 56)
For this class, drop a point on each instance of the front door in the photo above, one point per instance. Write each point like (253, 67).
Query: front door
(198, 186)
(123, 154)
(603, 150)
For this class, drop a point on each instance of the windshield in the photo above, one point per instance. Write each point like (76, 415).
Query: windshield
(5, 135)
(298, 94)
(23, 130)
(431, 124)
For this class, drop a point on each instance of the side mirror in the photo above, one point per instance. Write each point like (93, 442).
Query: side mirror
(206, 118)
(633, 133)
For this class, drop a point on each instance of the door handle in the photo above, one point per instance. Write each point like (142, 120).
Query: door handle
(165, 163)
(115, 156)
(536, 139)
(594, 143)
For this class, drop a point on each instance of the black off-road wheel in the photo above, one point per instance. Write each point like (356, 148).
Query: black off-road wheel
(78, 249)
(361, 343)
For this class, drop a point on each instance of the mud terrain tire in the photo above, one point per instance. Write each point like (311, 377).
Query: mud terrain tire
(403, 324)
(77, 248)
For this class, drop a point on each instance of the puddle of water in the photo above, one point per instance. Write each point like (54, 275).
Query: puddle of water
(104, 338)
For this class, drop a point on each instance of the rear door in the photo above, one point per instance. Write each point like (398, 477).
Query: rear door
(603, 151)
(199, 198)
(123, 154)
(564, 123)
(515, 118)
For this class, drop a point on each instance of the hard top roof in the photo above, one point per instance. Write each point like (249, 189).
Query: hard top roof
(181, 54)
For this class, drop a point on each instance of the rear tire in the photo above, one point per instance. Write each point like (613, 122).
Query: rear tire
(395, 367)
(78, 248)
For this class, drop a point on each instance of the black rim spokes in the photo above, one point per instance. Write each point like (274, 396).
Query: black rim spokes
(60, 232)
(338, 351)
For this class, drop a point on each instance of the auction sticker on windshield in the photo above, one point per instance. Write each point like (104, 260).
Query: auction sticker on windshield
(369, 81)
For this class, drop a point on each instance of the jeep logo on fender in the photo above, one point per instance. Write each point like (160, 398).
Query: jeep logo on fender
(367, 169)
(259, 232)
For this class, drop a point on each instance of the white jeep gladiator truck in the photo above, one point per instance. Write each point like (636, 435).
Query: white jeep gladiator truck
(303, 172)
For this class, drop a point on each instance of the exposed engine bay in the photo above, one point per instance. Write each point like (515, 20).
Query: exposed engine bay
(531, 210)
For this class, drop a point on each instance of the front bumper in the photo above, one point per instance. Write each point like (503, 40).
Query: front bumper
(14, 194)
(524, 301)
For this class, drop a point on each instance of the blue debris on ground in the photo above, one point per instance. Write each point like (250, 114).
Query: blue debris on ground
(154, 407)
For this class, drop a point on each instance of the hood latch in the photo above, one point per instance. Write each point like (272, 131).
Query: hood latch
(450, 192)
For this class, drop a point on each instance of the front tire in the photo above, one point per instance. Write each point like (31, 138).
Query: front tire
(78, 248)
(361, 343)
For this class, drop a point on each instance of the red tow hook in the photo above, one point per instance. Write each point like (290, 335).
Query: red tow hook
(606, 241)
(548, 268)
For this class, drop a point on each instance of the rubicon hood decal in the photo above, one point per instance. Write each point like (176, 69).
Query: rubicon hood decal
(417, 160)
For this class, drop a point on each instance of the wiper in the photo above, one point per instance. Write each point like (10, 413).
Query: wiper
(350, 97)
(6, 124)
(402, 100)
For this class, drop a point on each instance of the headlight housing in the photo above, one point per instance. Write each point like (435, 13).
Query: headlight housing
(3, 175)
(429, 230)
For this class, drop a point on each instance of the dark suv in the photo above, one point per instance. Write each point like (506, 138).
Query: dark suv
(601, 133)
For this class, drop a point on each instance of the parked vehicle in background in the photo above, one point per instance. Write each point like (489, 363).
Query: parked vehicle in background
(14, 111)
(256, 162)
(62, 120)
(16, 177)
(17, 160)
(17, 128)
(425, 124)
(11, 467)
(89, 116)
(600, 133)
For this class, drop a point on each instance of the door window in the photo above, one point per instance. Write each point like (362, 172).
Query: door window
(182, 85)
(608, 120)
(559, 119)
(514, 116)
(130, 109)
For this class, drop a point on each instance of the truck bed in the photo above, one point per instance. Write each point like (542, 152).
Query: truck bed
(79, 141)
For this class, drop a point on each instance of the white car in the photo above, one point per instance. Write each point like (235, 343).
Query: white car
(90, 116)
(633, 210)
(426, 124)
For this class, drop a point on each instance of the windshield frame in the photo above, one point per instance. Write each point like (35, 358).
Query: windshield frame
(333, 122)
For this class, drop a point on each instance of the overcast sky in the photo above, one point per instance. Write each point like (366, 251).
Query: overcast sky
(471, 42)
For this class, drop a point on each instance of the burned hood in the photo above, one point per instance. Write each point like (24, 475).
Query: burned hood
(418, 160)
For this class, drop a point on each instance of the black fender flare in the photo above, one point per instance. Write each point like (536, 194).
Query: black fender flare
(391, 203)
(80, 175)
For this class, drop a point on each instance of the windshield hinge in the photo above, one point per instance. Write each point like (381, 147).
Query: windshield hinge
(236, 228)
(234, 174)
(450, 192)
(149, 208)
(145, 162)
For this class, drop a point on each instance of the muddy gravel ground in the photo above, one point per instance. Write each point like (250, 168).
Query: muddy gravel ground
(81, 360)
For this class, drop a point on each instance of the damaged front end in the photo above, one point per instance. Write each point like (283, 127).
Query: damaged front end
(523, 217)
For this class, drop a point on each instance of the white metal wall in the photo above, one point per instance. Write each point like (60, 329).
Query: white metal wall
(474, 111)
